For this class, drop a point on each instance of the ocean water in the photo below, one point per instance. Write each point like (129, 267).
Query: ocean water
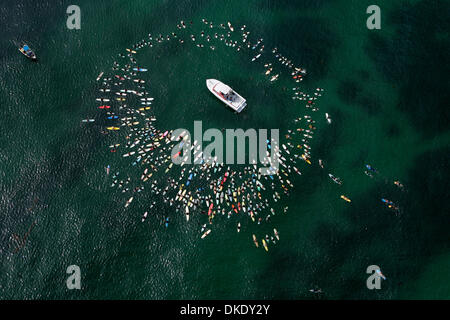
(386, 91)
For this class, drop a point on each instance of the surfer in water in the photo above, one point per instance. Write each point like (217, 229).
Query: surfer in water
(315, 291)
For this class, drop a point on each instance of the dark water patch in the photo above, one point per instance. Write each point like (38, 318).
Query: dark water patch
(324, 144)
(417, 59)
(41, 180)
(370, 103)
(349, 91)
(428, 183)
(68, 160)
(393, 130)
(364, 75)
(294, 5)
(352, 92)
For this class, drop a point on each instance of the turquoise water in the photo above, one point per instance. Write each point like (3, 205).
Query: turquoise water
(386, 91)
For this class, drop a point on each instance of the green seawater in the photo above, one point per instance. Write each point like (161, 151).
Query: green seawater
(386, 91)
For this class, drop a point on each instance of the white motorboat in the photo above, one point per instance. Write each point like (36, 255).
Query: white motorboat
(227, 95)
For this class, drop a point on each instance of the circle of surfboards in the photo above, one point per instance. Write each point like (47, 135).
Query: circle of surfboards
(125, 105)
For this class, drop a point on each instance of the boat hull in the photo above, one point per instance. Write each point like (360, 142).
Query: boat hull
(217, 88)
(29, 54)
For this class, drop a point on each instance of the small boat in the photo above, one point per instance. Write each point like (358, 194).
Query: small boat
(276, 234)
(100, 76)
(390, 204)
(256, 57)
(306, 159)
(255, 241)
(145, 216)
(399, 184)
(378, 271)
(27, 52)
(370, 168)
(321, 163)
(210, 209)
(129, 154)
(275, 77)
(206, 233)
(227, 95)
(187, 213)
(128, 202)
(140, 69)
(189, 179)
(335, 179)
(265, 245)
(167, 222)
(345, 198)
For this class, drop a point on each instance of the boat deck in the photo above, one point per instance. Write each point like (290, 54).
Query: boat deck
(226, 95)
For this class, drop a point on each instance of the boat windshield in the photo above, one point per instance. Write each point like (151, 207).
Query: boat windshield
(230, 96)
